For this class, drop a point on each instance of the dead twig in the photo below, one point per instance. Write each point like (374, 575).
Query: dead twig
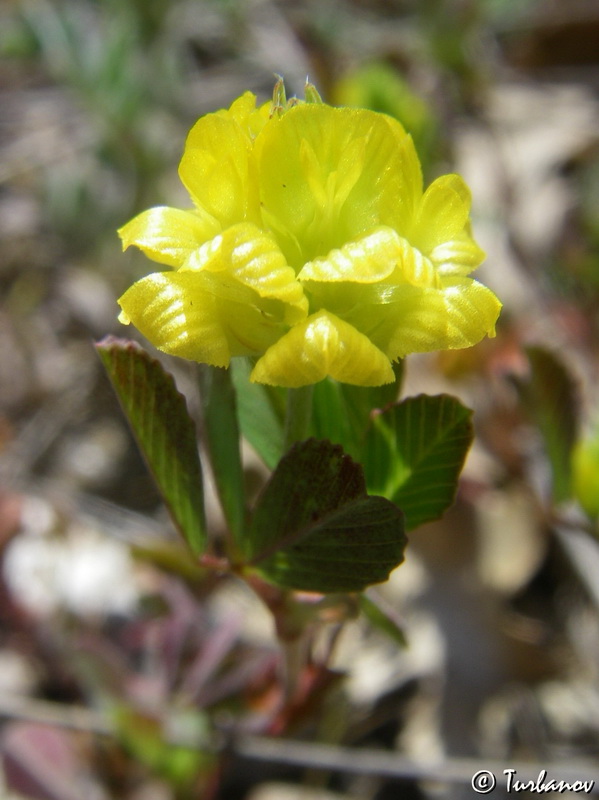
(350, 760)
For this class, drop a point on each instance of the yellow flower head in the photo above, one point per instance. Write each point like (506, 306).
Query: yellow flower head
(311, 245)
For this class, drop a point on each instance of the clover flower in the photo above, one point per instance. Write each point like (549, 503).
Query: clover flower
(311, 246)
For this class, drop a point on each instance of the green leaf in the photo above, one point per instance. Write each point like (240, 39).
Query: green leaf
(315, 528)
(164, 430)
(380, 614)
(221, 433)
(550, 398)
(171, 557)
(261, 411)
(415, 451)
(146, 739)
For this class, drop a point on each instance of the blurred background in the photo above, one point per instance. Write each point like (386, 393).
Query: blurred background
(100, 616)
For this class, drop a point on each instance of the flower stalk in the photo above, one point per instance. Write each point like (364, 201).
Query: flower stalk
(297, 415)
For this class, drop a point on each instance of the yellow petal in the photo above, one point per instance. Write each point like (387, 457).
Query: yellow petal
(330, 183)
(329, 175)
(168, 235)
(177, 316)
(371, 259)
(322, 346)
(399, 205)
(459, 256)
(247, 116)
(253, 258)
(200, 317)
(458, 315)
(443, 213)
(215, 169)
(365, 260)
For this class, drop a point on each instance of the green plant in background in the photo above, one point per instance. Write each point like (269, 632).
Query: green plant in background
(313, 258)
(120, 68)
(585, 473)
(550, 398)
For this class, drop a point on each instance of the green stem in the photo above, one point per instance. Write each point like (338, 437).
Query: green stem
(221, 434)
(296, 656)
(297, 415)
(292, 627)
